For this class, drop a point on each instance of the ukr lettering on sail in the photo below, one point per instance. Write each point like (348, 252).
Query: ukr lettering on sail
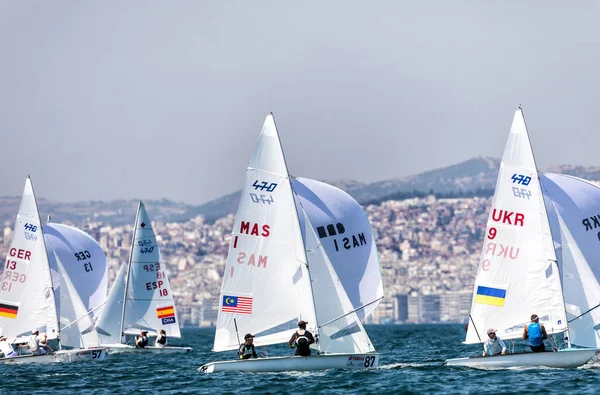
(508, 217)
(592, 222)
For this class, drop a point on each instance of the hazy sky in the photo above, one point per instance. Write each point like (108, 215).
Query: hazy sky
(151, 99)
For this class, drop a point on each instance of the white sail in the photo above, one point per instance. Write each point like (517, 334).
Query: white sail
(265, 288)
(346, 235)
(149, 302)
(109, 323)
(76, 326)
(517, 275)
(26, 293)
(573, 205)
(84, 262)
(340, 329)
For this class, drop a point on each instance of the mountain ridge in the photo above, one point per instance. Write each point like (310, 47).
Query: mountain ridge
(476, 175)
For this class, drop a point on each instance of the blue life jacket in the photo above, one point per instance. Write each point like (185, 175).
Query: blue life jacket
(535, 334)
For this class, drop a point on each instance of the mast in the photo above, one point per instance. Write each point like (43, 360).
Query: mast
(128, 271)
(47, 266)
(289, 179)
(555, 260)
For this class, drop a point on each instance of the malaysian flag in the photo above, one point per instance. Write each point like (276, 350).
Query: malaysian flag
(237, 304)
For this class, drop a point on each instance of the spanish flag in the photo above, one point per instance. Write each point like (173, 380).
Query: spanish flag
(491, 296)
(165, 312)
(8, 311)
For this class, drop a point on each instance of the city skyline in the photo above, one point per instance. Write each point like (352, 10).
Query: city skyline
(106, 100)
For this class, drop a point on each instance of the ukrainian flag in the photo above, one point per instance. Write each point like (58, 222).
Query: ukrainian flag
(491, 296)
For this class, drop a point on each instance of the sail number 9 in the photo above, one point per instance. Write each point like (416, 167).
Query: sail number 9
(492, 233)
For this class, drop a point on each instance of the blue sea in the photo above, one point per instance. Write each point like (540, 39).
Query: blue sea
(411, 362)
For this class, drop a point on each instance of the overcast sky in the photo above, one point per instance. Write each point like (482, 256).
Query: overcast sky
(151, 99)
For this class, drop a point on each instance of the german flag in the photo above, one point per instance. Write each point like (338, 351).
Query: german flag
(8, 311)
(165, 312)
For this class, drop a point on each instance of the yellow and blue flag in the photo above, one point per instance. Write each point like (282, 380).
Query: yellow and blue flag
(491, 296)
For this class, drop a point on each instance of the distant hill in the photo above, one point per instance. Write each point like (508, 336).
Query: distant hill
(474, 176)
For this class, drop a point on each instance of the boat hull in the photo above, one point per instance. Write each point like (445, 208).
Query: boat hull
(295, 363)
(93, 354)
(125, 348)
(568, 358)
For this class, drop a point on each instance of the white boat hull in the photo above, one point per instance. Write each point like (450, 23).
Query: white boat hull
(126, 348)
(295, 363)
(93, 354)
(568, 358)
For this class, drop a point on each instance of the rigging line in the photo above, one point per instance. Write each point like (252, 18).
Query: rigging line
(350, 312)
(83, 316)
(582, 314)
(477, 332)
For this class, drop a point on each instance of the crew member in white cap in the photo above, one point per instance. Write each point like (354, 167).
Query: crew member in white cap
(493, 345)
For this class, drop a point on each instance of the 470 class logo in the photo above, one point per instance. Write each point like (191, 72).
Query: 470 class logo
(30, 227)
(520, 179)
(266, 187)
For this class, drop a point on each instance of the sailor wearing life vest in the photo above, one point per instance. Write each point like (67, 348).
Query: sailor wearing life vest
(302, 340)
(141, 341)
(161, 339)
(246, 349)
(536, 334)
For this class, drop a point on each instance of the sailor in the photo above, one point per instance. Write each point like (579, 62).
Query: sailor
(536, 334)
(161, 339)
(302, 340)
(493, 344)
(35, 345)
(6, 348)
(246, 349)
(141, 341)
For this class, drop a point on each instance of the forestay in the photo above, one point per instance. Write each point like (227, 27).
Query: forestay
(84, 262)
(265, 287)
(574, 206)
(517, 275)
(345, 233)
(26, 294)
(340, 329)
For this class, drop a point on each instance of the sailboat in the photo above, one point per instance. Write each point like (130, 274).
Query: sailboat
(573, 208)
(140, 297)
(300, 250)
(29, 301)
(518, 274)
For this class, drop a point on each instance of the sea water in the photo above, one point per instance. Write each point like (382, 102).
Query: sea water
(411, 361)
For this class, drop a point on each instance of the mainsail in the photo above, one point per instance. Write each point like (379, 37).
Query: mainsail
(266, 287)
(83, 260)
(574, 209)
(146, 299)
(345, 233)
(26, 293)
(517, 275)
